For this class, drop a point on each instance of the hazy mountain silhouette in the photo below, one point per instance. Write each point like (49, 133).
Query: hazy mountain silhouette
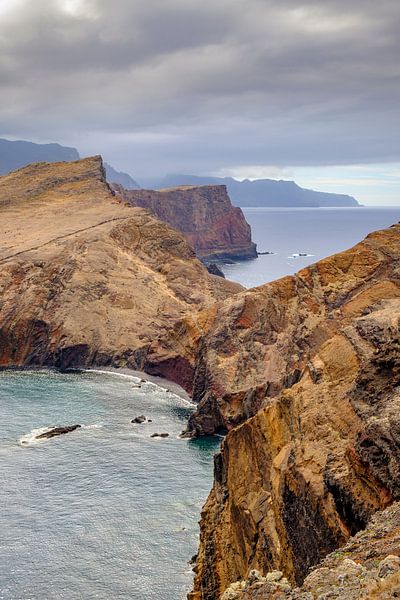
(14, 155)
(120, 177)
(261, 192)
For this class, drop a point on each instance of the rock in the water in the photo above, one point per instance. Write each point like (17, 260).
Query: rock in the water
(139, 419)
(161, 435)
(214, 269)
(57, 431)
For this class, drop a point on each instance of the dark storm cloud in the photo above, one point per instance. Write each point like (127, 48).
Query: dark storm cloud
(201, 85)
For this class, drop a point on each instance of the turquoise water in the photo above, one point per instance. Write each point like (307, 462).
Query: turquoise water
(317, 232)
(104, 512)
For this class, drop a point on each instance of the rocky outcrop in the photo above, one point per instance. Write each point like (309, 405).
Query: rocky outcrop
(304, 374)
(367, 567)
(56, 431)
(205, 216)
(84, 277)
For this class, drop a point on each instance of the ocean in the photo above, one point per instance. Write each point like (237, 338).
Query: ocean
(105, 512)
(316, 232)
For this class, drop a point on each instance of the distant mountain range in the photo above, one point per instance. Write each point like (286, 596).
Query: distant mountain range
(14, 155)
(261, 192)
(120, 177)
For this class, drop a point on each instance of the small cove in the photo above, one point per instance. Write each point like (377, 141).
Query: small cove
(105, 511)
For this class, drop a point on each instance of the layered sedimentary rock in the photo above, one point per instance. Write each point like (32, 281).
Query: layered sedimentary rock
(304, 373)
(205, 216)
(367, 567)
(86, 278)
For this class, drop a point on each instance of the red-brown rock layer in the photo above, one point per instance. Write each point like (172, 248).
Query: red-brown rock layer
(205, 216)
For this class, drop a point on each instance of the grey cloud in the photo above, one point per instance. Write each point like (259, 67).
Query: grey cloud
(194, 85)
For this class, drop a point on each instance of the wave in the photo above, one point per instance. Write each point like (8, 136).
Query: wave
(143, 382)
(104, 372)
(301, 255)
(31, 438)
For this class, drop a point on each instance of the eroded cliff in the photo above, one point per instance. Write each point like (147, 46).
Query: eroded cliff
(304, 374)
(205, 216)
(86, 278)
(367, 567)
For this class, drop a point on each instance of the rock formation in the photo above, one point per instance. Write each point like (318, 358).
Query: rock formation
(86, 278)
(367, 567)
(303, 373)
(205, 216)
(56, 431)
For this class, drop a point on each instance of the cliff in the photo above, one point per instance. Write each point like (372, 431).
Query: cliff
(204, 215)
(85, 278)
(262, 192)
(367, 567)
(303, 373)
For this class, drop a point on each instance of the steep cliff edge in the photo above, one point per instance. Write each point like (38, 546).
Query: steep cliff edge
(304, 373)
(85, 278)
(366, 568)
(205, 216)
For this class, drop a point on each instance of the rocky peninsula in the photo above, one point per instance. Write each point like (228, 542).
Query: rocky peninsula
(204, 215)
(85, 278)
(302, 374)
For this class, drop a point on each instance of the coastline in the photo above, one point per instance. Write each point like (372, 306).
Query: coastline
(160, 382)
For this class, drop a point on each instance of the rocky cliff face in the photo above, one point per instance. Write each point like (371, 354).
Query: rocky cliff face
(85, 278)
(304, 373)
(205, 216)
(367, 567)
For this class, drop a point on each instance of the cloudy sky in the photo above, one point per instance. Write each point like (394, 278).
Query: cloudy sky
(251, 88)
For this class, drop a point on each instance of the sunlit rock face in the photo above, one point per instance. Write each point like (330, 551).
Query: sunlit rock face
(204, 215)
(303, 373)
(84, 278)
(366, 567)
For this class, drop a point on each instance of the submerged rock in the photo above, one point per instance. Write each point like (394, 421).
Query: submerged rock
(139, 419)
(57, 431)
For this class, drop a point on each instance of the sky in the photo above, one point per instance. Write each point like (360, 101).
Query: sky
(287, 89)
